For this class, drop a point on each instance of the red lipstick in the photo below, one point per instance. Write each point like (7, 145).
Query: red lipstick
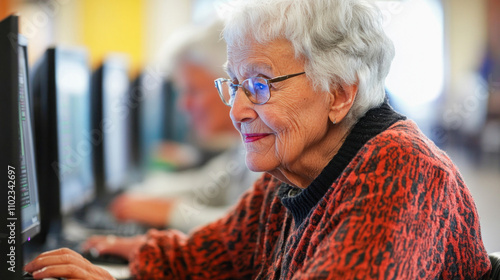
(252, 137)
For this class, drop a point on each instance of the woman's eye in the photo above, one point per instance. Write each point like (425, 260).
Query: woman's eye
(260, 86)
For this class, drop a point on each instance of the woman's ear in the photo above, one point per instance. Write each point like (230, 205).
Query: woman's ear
(341, 101)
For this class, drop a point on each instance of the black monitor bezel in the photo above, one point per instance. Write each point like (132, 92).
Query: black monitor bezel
(11, 249)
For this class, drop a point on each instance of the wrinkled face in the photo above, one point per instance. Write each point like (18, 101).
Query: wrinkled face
(199, 99)
(284, 134)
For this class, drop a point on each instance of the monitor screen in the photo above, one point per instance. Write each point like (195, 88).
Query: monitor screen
(30, 208)
(72, 95)
(116, 142)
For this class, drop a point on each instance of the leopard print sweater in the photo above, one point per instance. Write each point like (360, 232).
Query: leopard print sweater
(397, 209)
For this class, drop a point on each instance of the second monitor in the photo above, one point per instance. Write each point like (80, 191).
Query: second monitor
(61, 97)
(111, 124)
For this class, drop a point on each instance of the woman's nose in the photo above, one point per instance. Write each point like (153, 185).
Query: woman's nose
(242, 109)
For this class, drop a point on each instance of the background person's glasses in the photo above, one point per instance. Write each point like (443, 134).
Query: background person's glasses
(255, 88)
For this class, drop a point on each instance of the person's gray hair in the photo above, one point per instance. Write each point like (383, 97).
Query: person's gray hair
(343, 41)
(199, 44)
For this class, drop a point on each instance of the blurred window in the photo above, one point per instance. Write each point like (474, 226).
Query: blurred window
(416, 28)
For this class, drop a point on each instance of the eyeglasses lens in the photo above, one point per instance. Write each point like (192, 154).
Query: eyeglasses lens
(256, 89)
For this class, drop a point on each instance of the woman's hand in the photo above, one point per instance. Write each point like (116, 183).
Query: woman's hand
(65, 263)
(110, 244)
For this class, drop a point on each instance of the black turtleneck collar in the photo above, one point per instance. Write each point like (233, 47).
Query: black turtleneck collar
(300, 201)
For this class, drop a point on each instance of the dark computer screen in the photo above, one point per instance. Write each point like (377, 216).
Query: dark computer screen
(111, 119)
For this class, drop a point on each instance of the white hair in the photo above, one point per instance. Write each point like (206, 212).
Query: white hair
(342, 41)
(199, 44)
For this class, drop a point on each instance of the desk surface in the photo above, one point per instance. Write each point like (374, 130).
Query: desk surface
(120, 272)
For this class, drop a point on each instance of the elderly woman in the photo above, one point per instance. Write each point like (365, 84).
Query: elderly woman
(353, 190)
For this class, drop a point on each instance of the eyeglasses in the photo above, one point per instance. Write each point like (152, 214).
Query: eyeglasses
(256, 88)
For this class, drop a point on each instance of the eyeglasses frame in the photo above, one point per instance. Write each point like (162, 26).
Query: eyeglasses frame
(268, 81)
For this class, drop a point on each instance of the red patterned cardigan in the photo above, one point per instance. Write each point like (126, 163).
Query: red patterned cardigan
(398, 210)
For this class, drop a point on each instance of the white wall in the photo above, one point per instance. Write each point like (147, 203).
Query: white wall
(465, 32)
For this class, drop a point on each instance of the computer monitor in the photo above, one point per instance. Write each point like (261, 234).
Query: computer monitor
(61, 97)
(148, 118)
(156, 117)
(136, 97)
(20, 215)
(111, 121)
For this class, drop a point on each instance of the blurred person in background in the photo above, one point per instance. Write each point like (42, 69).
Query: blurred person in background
(185, 199)
(352, 190)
